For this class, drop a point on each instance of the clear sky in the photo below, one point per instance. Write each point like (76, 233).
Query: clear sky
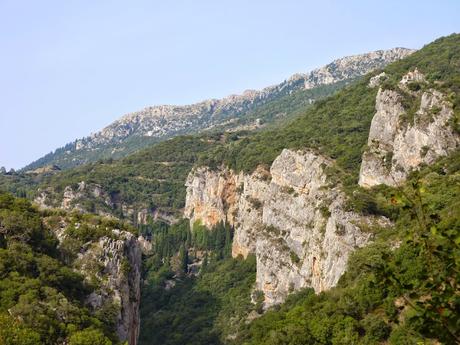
(70, 67)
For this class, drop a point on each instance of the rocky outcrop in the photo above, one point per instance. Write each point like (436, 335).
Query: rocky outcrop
(73, 198)
(349, 66)
(164, 121)
(113, 264)
(400, 139)
(211, 196)
(376, 80)
(93, 198)
(289, 217)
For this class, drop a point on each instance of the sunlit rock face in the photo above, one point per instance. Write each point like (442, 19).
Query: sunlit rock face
(288, 216)
(400, 141)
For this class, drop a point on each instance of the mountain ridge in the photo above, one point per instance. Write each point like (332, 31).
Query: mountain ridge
(140, 128)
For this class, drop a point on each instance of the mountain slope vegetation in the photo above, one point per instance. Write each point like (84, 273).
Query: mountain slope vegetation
(42, 296)
(390, 293)
(338, 126)
(401, 289)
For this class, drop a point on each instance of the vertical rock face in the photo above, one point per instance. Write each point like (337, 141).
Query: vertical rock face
(289, 217)
(293, 220)
(114, 265)
(254, 190)
(211, 196)
(309, 234)
(397, 143)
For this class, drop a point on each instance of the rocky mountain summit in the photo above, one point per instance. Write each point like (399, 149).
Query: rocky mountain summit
(138, 129)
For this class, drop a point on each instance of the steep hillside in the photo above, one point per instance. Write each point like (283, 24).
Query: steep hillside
(66, 278)
(340, 226)
(338, 126)
(152, 124)
(148, 184)
(294, 215)
(400, 287)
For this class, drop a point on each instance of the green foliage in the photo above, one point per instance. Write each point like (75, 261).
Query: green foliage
(400, 295)
(151, 179)
(218, 239)
(280, 106)
(42, 293)
(89, 336)
(199, 310)
(402, 289)
(14, 332)
(338, 126)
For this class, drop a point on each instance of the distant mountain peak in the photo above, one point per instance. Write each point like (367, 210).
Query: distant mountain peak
(161, 122)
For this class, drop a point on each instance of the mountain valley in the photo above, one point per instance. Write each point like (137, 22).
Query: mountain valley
(322, 210)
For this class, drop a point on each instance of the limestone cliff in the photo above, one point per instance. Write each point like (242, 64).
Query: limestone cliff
(113, 264)
(402, 139)
(289, 217)
(211, 197)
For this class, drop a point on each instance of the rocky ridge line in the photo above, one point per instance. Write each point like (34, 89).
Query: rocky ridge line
(164, 121)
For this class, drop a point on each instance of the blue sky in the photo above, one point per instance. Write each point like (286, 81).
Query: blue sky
(69, 68)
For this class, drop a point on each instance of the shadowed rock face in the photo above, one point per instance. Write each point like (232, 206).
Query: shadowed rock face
(119, 274)
(289, 217)
(396, 144)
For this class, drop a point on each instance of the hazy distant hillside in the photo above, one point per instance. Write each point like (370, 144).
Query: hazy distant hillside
(250, 110)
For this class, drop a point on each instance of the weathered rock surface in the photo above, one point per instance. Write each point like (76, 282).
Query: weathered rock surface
(114, 264)
(92, 198)
(398, 144)
(376, 80)
(289, 217)
(211, 197)
(73, 197)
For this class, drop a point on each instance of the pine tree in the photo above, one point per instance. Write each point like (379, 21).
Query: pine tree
(183, 257)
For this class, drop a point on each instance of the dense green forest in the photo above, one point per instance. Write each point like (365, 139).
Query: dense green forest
(179, 306)
(41, 295)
